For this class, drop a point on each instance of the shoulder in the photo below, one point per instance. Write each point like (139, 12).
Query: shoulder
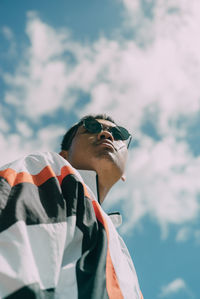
(37, 161)
(38, 167)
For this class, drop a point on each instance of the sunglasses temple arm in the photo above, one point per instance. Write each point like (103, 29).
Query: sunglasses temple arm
(129, 141)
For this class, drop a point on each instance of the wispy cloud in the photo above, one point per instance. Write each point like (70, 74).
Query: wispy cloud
(7, 32)
(38, 85)
(9, 36)
(183, 234)
(176, 286)
(173, 287)
(190, 232)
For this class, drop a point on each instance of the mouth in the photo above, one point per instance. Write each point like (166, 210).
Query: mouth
(106, 143)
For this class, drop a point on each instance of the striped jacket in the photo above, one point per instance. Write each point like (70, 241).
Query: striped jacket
(55, 239)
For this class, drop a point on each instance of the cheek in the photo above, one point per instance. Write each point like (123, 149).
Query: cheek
(79, 148)
(123, 154)
(120, 145)
(74, 151)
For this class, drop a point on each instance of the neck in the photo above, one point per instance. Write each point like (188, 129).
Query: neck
(106, 180)
(103, 190)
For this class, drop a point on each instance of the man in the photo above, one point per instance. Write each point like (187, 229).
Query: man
(55, 239)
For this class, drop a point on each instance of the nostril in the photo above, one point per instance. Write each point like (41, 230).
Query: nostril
(105, 135)
(102, 136)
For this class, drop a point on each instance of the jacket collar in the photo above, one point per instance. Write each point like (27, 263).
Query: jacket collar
(90, 178)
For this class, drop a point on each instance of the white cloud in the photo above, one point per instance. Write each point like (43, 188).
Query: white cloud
(7, 32)
(4, 126)
(173, 287)
(49, 138)
(111, 71)
(16, 145)
(12, 147)
(188, 233)
(39, 85)
(9, 36)
(183, 234)
(46, 43)
(162, 182)
(24, 129)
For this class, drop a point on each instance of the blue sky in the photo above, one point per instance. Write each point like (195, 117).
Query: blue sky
(138, 61)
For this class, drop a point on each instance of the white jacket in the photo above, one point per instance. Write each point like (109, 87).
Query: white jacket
(55, 239)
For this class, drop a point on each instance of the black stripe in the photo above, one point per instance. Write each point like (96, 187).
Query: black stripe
(33, 204)
(4, 193)
(32, 291)
(70, 187)
(91, 267)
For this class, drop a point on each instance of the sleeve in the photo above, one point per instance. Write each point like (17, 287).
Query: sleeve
(33, 225)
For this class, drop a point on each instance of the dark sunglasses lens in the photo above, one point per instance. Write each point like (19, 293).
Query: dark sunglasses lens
(92, 125)
(120, 133)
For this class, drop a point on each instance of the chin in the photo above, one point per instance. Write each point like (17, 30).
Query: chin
(110, 163)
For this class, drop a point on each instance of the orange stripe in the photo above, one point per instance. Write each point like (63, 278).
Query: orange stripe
(112, 284)
(141, 295)
(65, 170)
(13, 178)
(86, 193)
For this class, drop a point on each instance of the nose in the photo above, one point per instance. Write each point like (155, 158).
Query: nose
(105, 135)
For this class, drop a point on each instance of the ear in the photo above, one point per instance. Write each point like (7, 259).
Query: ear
(123, 177)
(64, 154)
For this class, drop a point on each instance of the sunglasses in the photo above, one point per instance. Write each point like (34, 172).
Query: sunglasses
(118, 133)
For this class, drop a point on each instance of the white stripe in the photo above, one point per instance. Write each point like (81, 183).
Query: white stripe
(73, 245)
(45, 254)
(31, 254)
(67, 284)
(35, 162)
(89, 177)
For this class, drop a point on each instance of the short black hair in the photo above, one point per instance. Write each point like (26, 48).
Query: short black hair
(69, 135)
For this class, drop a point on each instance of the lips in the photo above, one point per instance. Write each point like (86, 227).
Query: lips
(106, 143)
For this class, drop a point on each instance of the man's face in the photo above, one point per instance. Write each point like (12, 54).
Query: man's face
(98, 151)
